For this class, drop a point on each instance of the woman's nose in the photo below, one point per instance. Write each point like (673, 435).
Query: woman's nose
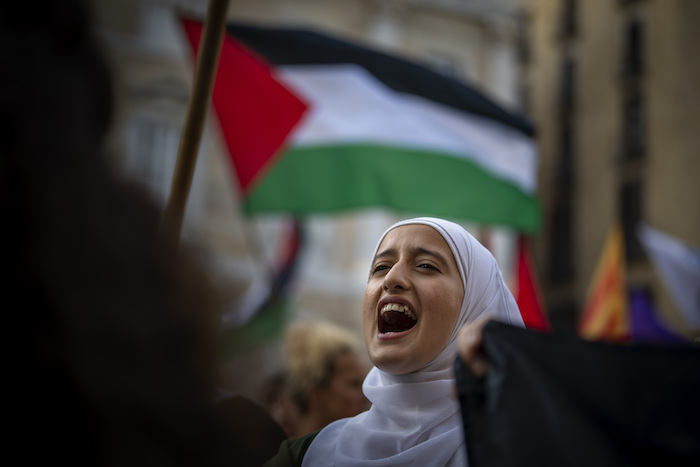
(397, 278)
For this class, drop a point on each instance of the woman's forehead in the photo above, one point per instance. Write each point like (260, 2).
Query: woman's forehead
(415, 236)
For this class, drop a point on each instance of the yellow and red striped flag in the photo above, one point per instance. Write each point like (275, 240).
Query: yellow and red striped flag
(605, 314)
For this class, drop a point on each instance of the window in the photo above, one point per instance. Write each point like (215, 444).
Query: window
(633, 128)
(561, 254)
(568, 18)
(631, 195)
(633, 140)
(633, 57)
(565, 166)
(523, 45)
(566, 130)
(566, 84)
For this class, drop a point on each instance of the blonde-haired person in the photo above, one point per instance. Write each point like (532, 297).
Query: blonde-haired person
(324, 374)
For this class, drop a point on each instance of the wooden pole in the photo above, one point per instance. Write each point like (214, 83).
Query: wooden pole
(207, 64)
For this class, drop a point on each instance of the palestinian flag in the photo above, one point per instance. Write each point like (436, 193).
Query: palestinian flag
(316, 125)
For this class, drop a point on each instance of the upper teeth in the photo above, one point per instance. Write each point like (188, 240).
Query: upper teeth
(396, 307)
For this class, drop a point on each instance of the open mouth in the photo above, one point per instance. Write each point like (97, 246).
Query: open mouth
(396, 318)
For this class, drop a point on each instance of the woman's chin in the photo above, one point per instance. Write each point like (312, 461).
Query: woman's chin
(394, 361)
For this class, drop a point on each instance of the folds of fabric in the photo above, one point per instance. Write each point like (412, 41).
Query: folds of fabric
(555, 400)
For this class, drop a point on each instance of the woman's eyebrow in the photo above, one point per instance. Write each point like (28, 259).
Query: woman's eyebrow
(424, 251)
(382, 254)
(414, 251)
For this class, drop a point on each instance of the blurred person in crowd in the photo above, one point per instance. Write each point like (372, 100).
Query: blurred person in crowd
(324, 374)
(278, 403)
(111, 334)
(428, 278)
(249, 433)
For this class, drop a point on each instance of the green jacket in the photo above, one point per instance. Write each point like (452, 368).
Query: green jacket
(291, 452)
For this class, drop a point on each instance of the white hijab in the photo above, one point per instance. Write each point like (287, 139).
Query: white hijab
(414, 418)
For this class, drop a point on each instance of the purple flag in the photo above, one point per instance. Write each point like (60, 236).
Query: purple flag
(646, 327)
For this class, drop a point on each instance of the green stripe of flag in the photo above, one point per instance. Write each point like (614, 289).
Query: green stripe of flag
(417, 181)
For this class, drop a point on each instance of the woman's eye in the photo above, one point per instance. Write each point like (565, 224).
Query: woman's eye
(381, 267)
(428, 266)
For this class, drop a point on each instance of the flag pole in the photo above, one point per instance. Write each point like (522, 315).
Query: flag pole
(207, 64)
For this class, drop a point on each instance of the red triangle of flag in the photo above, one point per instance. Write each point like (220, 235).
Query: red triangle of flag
(256, 112)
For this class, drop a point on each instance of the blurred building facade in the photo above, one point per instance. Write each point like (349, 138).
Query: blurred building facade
(473, 40)
(613, 87)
